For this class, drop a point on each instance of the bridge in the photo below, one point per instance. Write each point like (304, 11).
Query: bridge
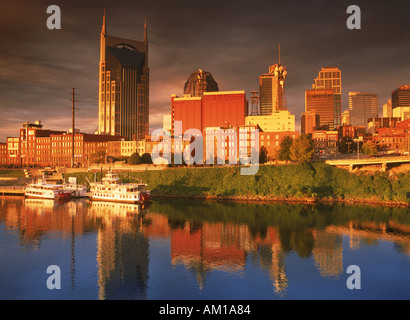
(372, 161)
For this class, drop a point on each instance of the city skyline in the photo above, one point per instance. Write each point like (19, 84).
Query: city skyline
(236, 42)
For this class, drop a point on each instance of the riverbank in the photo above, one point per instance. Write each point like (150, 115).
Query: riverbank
(308, 183)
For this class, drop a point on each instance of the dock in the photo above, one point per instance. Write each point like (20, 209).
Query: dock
(11, 190)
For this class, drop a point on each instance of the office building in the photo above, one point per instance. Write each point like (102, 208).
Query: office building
(387, 109)
(330, 78)
(123, 107)
(401, 97)
(310, 121)
(272, 89)
(375, 123)
(362, 106)
(345, 118)
(321, 102)
(200, 82)
(279, 121)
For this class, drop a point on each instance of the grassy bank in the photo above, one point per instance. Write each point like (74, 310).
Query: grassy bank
(295, 182)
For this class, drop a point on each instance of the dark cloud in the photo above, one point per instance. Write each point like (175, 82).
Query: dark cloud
(235, 40)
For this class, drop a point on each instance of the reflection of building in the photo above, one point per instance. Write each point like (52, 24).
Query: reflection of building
(123, 86)
(122, 233)
(205, 247)
(362, 106)
(327, 253)
(122, 252)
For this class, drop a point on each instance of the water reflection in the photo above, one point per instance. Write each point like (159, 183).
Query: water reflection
(122, 252)
(204, 237)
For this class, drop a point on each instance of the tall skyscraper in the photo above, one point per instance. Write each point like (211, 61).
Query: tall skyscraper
(200, 82)
(331, 78)
(401, 102)
(321, 102)
(123, 107)
(362, 106)
(272, 89)
(401, 97)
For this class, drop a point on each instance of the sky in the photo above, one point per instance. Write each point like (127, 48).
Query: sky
(234, 40)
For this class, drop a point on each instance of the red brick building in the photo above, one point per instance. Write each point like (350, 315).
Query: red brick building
(392, 138)
(38, 147)
(3, 153)
(212, 109)
(325, 142)
(271, 140)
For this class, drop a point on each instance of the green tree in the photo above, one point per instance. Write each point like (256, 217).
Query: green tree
(369, 147)
(134, 159)
(146, 158)
(263, 155)
(346, 145)
(284, 149)
(302, 149)
(98, 156)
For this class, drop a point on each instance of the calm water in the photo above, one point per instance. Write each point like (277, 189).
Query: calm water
(202, 250)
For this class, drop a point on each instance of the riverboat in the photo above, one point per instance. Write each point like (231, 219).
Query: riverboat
(77, 190)
(111, 189)
(43, 190)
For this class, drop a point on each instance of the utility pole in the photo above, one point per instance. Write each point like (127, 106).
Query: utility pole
(73, 125)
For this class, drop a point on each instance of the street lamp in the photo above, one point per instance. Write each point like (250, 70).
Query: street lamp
(357, 142)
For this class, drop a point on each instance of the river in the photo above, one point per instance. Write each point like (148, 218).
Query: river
(185, 249)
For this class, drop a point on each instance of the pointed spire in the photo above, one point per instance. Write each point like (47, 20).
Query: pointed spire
(145, 31)
(103, 26)
(279, 53)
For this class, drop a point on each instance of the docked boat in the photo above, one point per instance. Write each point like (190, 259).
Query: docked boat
(111, 189)
(43, 190)
(77, 190)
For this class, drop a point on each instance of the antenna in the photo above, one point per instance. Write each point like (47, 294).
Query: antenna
(279, 53)
(73, 94)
